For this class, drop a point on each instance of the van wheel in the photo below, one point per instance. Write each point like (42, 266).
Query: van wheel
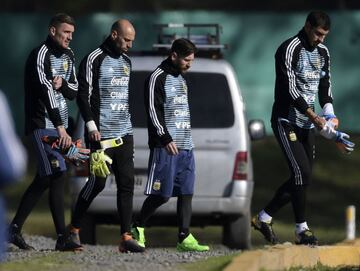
(237, 232)
(88, 230)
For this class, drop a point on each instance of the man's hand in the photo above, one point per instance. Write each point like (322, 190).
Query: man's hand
(328, 114)
(343, 144)
(328, 131)
(94, 135)
(332, 119)
(64, 139)
(340, 138)
(57, 82)
(98, 165)
(77, 155)
(172, 148)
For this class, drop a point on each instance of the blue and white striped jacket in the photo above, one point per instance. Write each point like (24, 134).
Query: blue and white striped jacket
(45, 107)
(167, 107)
(302, 73)
(103, 97)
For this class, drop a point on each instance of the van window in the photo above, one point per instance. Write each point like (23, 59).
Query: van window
(209, 97)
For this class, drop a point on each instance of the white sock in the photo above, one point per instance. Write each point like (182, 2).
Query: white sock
(264, 217)
(300, 227)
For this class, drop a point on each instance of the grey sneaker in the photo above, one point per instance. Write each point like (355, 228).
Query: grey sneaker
(265, 229)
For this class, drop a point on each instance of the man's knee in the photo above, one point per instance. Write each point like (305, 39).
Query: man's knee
(42, 181)
(160, 199)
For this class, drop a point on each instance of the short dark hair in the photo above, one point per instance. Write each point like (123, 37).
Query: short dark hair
(319, 19)
(183, 47)
(115, 26)
(61, 18)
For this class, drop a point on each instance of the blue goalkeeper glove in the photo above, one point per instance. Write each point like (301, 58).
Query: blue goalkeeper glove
(340, 138)
(77, 155)
(343, 144)
(331, 119)
(329, 116)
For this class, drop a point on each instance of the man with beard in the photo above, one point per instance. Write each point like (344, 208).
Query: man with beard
(171, 170)
(103, 102)
(302, 72)
(50, 79)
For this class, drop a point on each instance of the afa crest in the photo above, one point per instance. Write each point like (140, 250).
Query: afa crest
(292, 136)
(126, 70)
(65, 65)
(157, 185)
(184, 86)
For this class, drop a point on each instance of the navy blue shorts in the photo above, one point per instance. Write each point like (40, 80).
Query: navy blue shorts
(170, 175)
(49, 161)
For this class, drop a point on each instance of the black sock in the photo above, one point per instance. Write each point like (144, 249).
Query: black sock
(14, 228)
(184, 211)
(183, 233)
(149, 207)
(60, 238)
(299, 203)
(281, 198)
(90, 190)
(29, 199)
(56, 202)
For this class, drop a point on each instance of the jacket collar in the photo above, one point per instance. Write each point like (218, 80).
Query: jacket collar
(109, 47)
(305, 41)
(168, 66)
(54, 47)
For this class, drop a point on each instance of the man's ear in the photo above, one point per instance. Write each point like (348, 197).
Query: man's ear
(114, 34)
(173, 56)
(52, 31)
(307, 26)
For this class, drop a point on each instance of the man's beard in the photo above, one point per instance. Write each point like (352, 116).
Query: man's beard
(182, 70)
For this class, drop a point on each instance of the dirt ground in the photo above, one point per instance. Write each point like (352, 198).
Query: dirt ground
(287, 255)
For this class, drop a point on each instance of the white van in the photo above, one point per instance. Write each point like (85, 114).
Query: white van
(224, 173)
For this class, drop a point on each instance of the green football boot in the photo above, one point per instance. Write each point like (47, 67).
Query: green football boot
(138, 234)
(191, 244)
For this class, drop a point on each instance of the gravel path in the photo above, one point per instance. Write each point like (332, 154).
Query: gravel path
(105, 257)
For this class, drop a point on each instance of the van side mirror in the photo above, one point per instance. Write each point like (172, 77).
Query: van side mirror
(256, 129)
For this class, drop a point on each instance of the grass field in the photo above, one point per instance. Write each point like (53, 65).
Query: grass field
(336, 184)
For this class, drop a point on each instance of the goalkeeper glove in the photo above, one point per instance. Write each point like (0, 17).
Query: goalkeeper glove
(98, 166)
(328, 114)
(343, 144)
(77, 155)
(339, 137)
(332, 120)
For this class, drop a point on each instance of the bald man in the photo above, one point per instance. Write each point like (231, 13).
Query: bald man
(103, 102)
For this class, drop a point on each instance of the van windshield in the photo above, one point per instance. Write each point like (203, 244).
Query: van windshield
(209, 98)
